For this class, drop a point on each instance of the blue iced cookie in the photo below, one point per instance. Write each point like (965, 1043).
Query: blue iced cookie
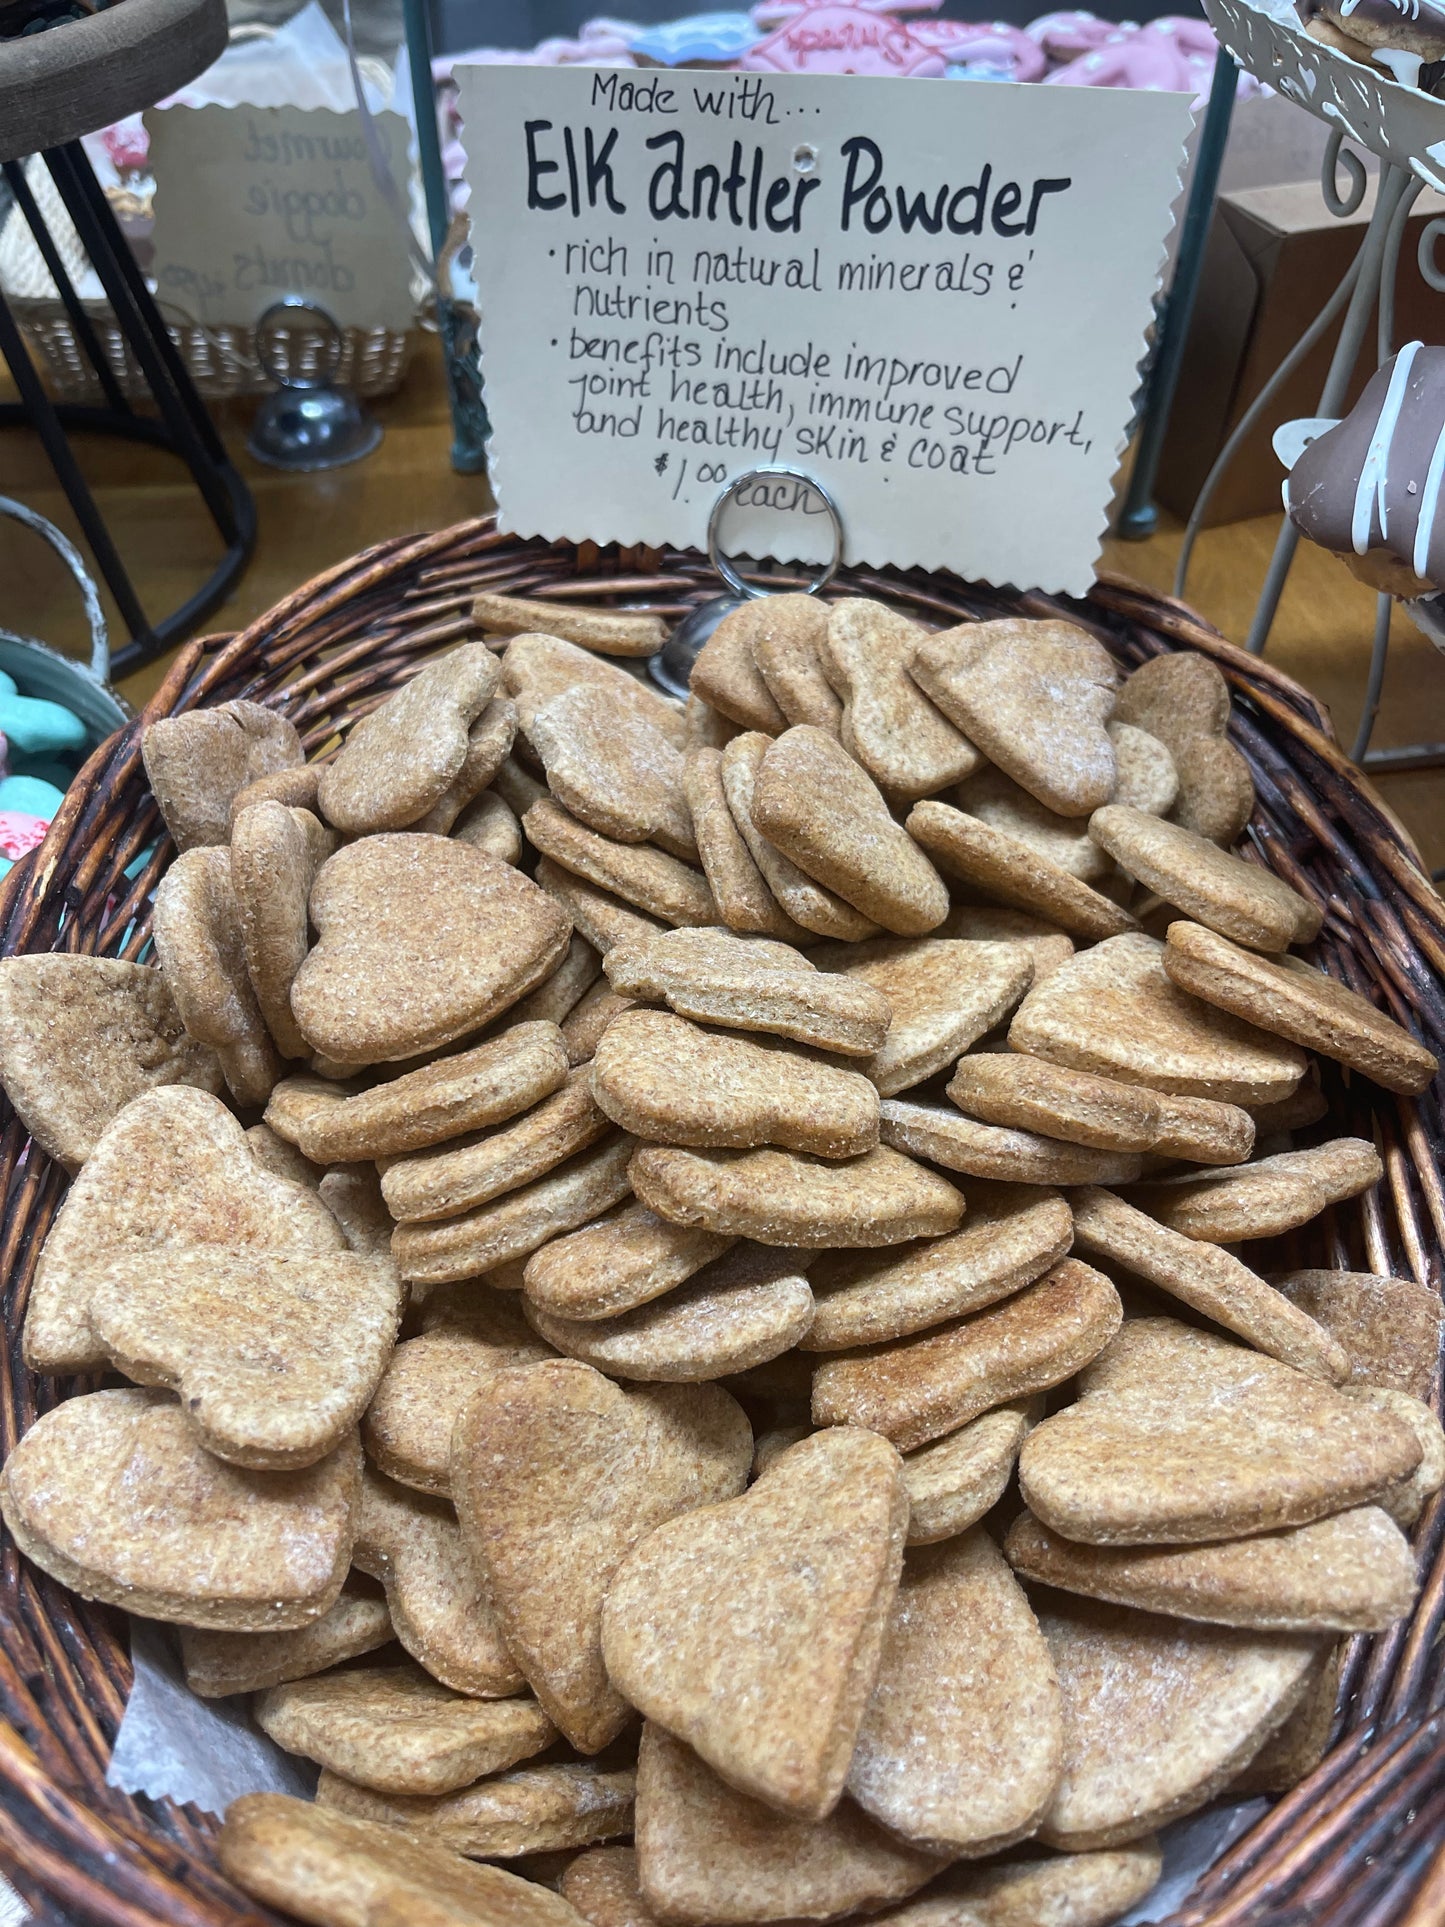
(36, 728)
(30, 796)
(711, 37)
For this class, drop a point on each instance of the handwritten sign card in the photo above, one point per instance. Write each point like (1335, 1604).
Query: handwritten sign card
(931, 295)
(253, 203)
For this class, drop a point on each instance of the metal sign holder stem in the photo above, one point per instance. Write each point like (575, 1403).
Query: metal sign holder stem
(671, 668)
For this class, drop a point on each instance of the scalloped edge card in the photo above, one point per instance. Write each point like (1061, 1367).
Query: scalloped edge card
(932, 296)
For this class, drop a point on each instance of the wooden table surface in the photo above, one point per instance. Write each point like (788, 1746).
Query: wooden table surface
(307, 522)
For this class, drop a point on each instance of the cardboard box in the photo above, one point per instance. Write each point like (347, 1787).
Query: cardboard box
(1275, 255)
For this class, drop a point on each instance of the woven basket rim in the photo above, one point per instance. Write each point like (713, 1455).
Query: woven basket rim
(1354, 1843)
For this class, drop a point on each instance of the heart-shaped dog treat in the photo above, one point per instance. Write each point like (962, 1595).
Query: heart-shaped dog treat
(944, 1136)
(332, 1124)
(747, 1306)
(275, 1354)
(707, 728)
(173, 1169)
(1297, 1746)
(1223, 892)
(413, 1545)
(785, 1198)
(220, 1664)
(1031, 1094)
(962, 1742)
(537, 666)
(1263, 1199)
(752, 1629)
(602, 1885)
(515, 1225)
(1352, 1573)
(624, 1259)
(80, 1037)
(1051, 1890)
(295, 787)
(1389, 1327)
(407, 1430)
(198, 945)
(726, 674)
(559, 994)
(491, 826)
(1002, 865)
(907, 746)
(1185, 1438)
(923, 1388)
(1183, 701)
(664, 1079)
(613, 632)
(650, 879)
(1146, 778)
(112, 1495)
(273, 865)
(613, 770)
(1287, 998)
(603, 919)
(1064, 841)
(944, 995)
(420, 940)
(739, 888)
(488, 740)
(1112, 1010)
(1012, 1236)
(196, 763)
(853, 848)
(747, 983)
(787, 640)
(1406, 1501)
(993, 923)
(1035, 698)
(353, 1197)
(803, 898)
(707, 1853)
(1207, 1278)
(397, 1730)
(1159, 1715)
(557, 1473)
(326, 1866)
(451, 1178)
(953, 1483)
(535, 1809)
(398, 761)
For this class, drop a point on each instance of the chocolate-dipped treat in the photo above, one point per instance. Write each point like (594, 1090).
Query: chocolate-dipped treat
(1398, 35)
(1370, 487)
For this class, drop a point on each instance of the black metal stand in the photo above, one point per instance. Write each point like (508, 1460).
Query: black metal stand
(181, 426)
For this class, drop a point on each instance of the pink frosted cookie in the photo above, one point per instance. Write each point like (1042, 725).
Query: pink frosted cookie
(19, 833)
(991, 43)
(841, 39)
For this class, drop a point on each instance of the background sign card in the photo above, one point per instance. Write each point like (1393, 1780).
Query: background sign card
(253, 203)
(931, 295)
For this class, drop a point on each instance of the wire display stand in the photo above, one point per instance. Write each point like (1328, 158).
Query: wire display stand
(1405, 129)
(56, 85)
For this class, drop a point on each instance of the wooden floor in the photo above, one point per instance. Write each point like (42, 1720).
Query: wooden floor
(307, 522)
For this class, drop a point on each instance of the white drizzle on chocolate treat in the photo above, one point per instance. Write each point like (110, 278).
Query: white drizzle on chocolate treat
(1400, 34)
(1374, 480)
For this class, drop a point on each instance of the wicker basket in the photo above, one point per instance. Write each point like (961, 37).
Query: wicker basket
(1359, 1843)
(221, 360)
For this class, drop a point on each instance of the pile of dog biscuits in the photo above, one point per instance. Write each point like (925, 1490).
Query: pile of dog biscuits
(680, 1289)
